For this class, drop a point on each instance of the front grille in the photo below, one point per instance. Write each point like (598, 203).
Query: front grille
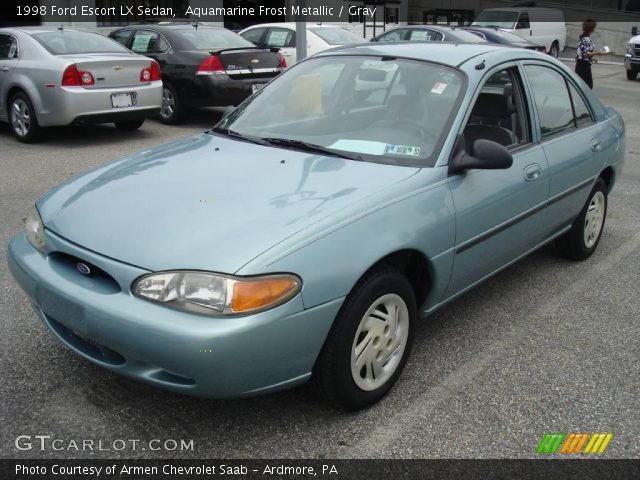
(84, 273)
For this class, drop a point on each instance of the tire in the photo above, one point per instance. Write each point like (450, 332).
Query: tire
(22, 119)
(583, 238)
(172, 110)
(632, 74)
(338, 375)
(554, 51)
(129, 125)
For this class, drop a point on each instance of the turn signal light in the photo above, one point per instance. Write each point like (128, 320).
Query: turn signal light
(211, 65)
(72, 77)
(151, 74)
(256, 294)
(283, 61)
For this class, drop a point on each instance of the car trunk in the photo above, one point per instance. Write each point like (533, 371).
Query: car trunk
(111, 71)
(252, 63)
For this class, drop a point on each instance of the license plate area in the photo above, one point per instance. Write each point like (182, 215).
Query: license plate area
(124, 100)
(255, 87)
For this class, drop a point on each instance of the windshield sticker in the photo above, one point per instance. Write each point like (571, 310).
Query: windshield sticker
(360, 146)
(402, 150)
(438, 88)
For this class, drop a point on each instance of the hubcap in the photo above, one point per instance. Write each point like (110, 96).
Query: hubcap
(555, 51)
(20, 119)
(594, 219)
(379, 342)
(168, 103)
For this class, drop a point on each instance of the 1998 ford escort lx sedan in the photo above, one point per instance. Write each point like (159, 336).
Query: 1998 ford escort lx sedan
(304, 235)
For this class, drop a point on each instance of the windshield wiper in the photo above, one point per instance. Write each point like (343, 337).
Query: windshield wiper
(240, 136)
(311, 147)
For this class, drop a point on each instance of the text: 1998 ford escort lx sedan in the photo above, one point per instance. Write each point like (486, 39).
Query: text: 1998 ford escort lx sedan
(304, 235)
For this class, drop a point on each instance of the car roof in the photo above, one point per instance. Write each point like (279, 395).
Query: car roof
(42, 29)
(429, 27)
(171, 26)
(520, 9)
(452, 54)
(292, 25)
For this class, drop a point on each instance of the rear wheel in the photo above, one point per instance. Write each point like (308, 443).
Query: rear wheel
(632, 74)
(22, 119)
(554, 51)
(369, 343)
(583, 238)
(130, 125)
(172, 110)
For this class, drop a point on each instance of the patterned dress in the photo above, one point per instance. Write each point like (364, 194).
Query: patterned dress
(585, 45)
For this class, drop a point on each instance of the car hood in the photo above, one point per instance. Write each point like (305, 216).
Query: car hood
(206, 202)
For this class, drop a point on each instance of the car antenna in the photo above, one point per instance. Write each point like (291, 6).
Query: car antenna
(195, 25)
(480, 66)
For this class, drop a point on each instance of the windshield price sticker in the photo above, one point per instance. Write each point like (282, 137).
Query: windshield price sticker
(438, 88)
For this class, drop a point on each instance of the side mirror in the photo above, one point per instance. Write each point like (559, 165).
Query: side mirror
(634, 31)
(485, 155)
(373, 39)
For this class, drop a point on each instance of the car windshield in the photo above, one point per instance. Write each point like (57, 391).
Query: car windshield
(69, 42)
(464, 36)
(370, 108)
(496, 19)
(206, 39)
(337, 36)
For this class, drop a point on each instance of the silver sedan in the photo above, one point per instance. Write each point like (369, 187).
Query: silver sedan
(54, 76)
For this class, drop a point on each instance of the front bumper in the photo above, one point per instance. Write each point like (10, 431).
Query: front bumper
(203, 356)
(72, 105)
(632, 63)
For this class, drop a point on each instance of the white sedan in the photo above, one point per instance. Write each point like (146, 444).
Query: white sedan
(283, 36)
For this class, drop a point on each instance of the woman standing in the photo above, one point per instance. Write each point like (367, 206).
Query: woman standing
(586, 52)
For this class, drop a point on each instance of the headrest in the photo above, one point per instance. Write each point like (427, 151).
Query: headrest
(492, 105)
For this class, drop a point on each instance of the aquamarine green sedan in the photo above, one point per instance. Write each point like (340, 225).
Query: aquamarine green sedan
(304, 236)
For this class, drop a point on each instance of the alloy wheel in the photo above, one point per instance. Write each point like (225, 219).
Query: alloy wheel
(20, 118)
(379, 342)
(168, 103)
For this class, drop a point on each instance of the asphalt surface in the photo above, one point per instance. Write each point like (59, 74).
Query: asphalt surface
(546, 346)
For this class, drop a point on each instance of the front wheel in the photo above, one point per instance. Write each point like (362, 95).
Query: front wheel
(632, 74)
(369, 343)
(583, 238)
(554, 51)
(130, 125)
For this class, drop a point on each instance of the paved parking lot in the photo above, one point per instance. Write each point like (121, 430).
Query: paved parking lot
(547, 345)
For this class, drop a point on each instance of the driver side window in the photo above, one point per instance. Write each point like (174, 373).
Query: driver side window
(499, 113)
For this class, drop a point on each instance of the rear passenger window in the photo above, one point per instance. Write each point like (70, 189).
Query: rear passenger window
(393, 36)
(279, 38)
(581, 111)
(550, 94)
(424, 35)
(8, 47)
(144, 42)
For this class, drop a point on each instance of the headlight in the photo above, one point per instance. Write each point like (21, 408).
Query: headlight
(216, 294)
(34, 229)
(630, 48)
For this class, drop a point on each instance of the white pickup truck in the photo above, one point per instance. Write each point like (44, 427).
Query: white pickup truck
(632, 55)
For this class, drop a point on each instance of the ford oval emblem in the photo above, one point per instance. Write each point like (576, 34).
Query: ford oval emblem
(83, 268)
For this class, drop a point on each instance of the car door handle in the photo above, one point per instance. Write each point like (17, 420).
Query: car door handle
(532, 172)
(595, 144)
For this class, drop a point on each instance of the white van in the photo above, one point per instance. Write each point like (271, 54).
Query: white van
(544, 26)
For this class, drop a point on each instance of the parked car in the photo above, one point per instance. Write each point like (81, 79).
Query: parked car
(283, 36)
(632, 55)
(202, 66)
(503, 37)
(55, 76)
(427, 33)
(304, 235)
(544, 26)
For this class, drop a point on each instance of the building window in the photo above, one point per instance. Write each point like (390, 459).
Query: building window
(391, 15)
